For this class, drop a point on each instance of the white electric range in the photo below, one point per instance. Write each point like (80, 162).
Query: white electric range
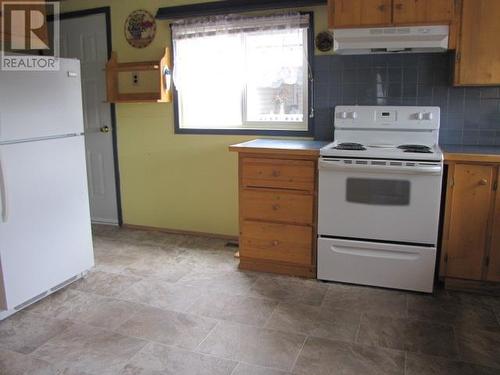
(379, 197)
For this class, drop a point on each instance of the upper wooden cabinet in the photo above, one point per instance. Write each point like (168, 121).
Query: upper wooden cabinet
(422, 11)
(364, 13)
(357, 13)
(477, 60)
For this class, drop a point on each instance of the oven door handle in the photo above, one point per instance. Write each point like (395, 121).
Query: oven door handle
(368, 168)
(376, 253)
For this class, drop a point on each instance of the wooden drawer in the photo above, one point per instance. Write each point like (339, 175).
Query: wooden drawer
(277, 242)
(278, 173)
(279, 206)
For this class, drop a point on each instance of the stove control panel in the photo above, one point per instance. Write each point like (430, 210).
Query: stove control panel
(424, 116)
(347, 115)
(387, 117)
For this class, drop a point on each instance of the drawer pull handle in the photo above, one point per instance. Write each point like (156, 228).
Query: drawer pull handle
(275, 207)
(276, 243)
(276, 173)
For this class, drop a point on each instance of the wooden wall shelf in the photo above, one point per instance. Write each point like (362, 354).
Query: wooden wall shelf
(113, 68)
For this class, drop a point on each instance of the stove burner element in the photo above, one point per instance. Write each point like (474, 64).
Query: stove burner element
(350, 146)
(414, 147)
(420, 149)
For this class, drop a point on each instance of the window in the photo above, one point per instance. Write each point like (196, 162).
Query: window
(242, 73)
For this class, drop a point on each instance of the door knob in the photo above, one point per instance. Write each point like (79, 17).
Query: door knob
(105, 129)
(483, 181)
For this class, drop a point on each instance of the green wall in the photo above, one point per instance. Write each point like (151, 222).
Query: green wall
(181, 182)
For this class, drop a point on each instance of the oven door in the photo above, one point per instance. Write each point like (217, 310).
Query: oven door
(385, 200)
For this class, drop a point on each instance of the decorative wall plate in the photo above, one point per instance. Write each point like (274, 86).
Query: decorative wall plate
(324, 41)
(140, 28)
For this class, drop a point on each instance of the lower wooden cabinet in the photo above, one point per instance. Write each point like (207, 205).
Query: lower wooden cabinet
(277, 213)
(493, 260)
(471, 234)
(276, 242)
(277, 206)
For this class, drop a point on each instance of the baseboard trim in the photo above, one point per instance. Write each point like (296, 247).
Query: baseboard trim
(473, 286)
(277, 267)
(105, 222)
(179, 231)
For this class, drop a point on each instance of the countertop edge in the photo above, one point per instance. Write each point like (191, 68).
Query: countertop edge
(471, 157)
(273, 150)
(290, 147)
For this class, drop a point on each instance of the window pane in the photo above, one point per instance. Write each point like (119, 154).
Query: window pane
(276, 75)
(210, 82)
(378, 192)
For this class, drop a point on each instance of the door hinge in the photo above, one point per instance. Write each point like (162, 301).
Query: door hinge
(487, 261)
(495, 186)
(452, 182)
(457, 58)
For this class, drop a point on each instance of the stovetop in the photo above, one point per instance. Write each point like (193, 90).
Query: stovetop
(386, 132)
(382, 151)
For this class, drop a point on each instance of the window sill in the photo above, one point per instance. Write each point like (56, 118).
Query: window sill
(281, 133)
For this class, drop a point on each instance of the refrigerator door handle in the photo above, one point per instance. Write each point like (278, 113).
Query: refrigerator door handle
(3, 194)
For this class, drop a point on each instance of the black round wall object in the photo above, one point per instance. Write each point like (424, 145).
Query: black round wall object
(324, 41)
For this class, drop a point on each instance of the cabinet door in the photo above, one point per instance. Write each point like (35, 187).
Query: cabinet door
(277, 242)
(423, 11)
(357, 13)
(493, 273)
(478, 57)
(278, 173)
(280, 206)
(470, 207)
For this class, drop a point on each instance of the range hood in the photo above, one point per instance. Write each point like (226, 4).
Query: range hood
(390, 40)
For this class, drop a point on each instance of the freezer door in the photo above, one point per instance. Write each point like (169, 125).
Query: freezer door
(41, 104)
(45, 233)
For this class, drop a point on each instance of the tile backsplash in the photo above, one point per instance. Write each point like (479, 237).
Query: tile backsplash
(469, 115)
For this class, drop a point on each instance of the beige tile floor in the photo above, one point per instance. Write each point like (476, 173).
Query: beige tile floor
(169, 304)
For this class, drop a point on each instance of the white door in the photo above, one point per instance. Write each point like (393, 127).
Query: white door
(85, 38)
(45, 236)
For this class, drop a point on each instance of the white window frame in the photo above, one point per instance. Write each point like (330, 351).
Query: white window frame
(283, 125)
(303, 128)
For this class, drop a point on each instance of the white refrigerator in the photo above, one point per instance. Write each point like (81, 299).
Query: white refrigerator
(45, 232)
